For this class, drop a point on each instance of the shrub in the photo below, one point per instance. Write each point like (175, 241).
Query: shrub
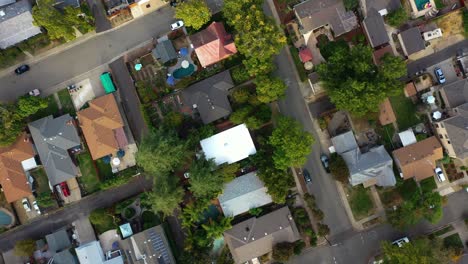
(308, 231)
(339, 169)
(255, 211)
(397, 17)
(241, 95)
(239, 74)
(318, 214)
(129, 212)
(313, 240)
(310, 200)
(323, 229)
(283, 251)
(298, 247)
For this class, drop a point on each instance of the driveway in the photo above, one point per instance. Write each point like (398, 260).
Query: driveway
(447, 68)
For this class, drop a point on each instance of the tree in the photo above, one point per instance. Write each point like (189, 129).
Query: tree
(283, 251)
(160, 152)
(45, 199)
(195, 135)
(241, 95)
(229, 171)
(351, 4)
(193, 213)
(194, 13)
(323, 229)
(25, 248)
(355, 84)
(291, 145)
(253, 117)
(339, 169)
(205, 180)
(215, 229)
(240, 115)
(391, 67)
(28, 105)
(173, 120)
(269, 88)
(397, 17)
(420, 250)
(165, 196)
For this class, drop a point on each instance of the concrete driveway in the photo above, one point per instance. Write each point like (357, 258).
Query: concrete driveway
(447, 68)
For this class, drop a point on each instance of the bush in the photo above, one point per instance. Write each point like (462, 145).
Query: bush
(239, 74)
(255, 211)
(241, 95)
(339, 169)
(129, 212)
(310, 200)
(9, 56)
(283, 251)
(309, 231)
(298, 247)
(313, 240)
(323, 229)
(318, 214)
(397, 17)
(45, 199)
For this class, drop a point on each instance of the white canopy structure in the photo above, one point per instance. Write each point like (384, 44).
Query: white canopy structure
(407, 137)
(229, 146)
(437, 115)
(430, 99)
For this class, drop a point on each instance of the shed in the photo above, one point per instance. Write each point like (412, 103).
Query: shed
(164, 51)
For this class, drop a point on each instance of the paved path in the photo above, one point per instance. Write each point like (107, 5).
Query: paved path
(85, 56)
(46, 224)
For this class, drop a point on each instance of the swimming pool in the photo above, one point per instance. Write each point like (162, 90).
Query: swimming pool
(422, 4)
(184, 72)
(5, 219)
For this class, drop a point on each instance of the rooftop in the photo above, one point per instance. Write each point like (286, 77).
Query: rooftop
(374, 27)
(457, 131)
(58, 241)
(16, 23)
(165, 51)
(455, 94)
(411, 41)
(386, 113)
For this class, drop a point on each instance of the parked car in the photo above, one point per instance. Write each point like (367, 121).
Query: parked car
(306, 175)
(64, 189)
(36, 207)
(400, 242)
(176, 25)
(26, 205)
(440, 75)
(22, 69)
(34, 92)
(325, 162)
(440, 174)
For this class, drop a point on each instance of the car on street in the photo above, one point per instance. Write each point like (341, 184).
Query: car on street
(440, 174)
(26, 205)
(440, 75)
(400, 242)
(176, 25)
(22, 69)
(36, 207)
(306, 175)
(325, 162)
(34, 92)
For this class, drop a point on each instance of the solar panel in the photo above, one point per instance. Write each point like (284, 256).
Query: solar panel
(158, 245)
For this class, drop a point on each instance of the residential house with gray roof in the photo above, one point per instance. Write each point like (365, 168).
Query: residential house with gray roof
(209, 97)
(242, 194)
(255, 237)
(374, 167)
(411, 41)
(16, 22)
(374, 27)
(313, 14)
(164, 51)
(55, 139)
(382, 6)
(58, 241)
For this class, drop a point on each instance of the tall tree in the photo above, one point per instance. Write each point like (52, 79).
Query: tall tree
(229, 171)
(28, 105)
(253, 117)
(165, 196)
(417, 251)
(291, 145)
(25, 248)
(215, 229)
(339, 169)
(283, 251)
(269, 88)
(194, 13)
(160, 152)
(205, 180)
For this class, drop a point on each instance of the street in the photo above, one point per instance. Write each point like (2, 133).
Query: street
(86, 56)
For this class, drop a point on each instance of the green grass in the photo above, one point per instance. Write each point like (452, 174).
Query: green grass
(66, 101)
(386, 133)
(299, 65)
(104, 170)
(41, 181)
(52, 109)
(443, 230)
(102, 220)
(360, 202)
(427, 185)
(405, 112)
(408, 190)
(453, 242)
(89, 177)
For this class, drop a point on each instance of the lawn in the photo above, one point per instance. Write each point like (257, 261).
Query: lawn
(89, 178)
(66, 101)
(454, 242)
(102, 220)
(52, 109)
(386, 134)
(427, 185)
(361, 202)
(405, 112)
(41, 182)
(104, 169)
(408, 190)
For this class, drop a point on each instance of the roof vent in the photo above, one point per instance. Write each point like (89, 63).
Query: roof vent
(195, 106)
(266, 234)
(245, 238)
(2, 13)
(247, 229)
(290, 217)
(280, 227)
(253, 238)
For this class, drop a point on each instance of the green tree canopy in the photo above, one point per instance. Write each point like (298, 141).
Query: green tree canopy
(229, 171)
(161, 152)
(194, 13)
(291, 145)
(25, 248)
(205, 180)
(339, 169)
(397, 17)
(421, 250)
(215, 229)
(28, 105)
(269, 88)
(283, 251)
(351, 4)
(253, 117)
(165, 196)
(355, 84)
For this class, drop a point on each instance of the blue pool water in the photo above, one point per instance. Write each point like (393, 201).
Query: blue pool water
(181, 72)
(5, 219)
(420, 4)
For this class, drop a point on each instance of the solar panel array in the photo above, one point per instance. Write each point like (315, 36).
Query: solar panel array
(158, 245)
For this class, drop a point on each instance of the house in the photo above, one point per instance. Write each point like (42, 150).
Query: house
(374, 167)
(229, 146)
(14, 161)
(149, 246)
(55, 139)
(256, 237)
(382, 6)
(411, 41)
(64, 257)
(210, 97)
(164, 51)
(316, 14)
(16, 23)
(455, 94)
(6, 2)
(242, 194)
(418, 160)
(213, 44)
(386, 113)
(142, 7)
(58, 241)
(374, 27)
(91, 253)
(103, 127)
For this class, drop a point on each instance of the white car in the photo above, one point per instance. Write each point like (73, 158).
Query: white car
(440, 174)
(400, 242)
(176, 25)
(34, 92)
(36, 207)
(26, 205)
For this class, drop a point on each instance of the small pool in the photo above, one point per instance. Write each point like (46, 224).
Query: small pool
(5, 219)
(184, 72)
(422, 4)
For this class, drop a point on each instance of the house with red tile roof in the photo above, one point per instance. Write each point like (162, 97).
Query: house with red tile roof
(213, 44)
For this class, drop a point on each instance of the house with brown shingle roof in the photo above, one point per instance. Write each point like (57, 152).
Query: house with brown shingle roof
(418, 160)
(213, 44)
(102, 126)
(13, 162)
(386, 113)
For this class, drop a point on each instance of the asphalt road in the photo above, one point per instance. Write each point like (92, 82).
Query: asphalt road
(41, 226)
(86, 56)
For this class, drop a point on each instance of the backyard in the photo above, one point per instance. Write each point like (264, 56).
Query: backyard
(405, 112)
(360, 201)
(89, 178)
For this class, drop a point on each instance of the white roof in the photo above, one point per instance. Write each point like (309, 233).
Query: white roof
(229, 146)
(407, 137)
(29, 164)
(90, 253)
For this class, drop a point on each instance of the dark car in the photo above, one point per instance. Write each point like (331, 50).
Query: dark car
(440, 75)
(22, 69)
(324, 159)
(306, 174)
